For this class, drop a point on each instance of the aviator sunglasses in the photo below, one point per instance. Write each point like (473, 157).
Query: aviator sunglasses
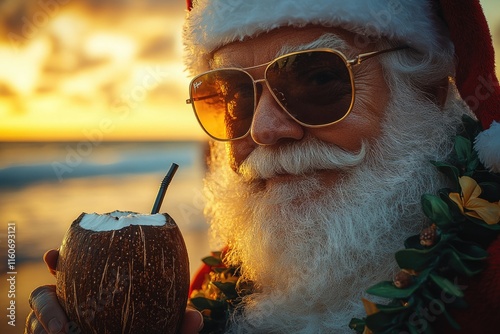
(314, 87)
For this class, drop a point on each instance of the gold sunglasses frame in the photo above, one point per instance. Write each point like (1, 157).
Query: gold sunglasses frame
(349, 63)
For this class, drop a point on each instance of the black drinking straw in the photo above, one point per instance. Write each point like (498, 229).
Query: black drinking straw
(163, 188)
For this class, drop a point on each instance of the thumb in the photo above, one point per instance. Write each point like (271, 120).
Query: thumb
(50, 258)
(192, 322)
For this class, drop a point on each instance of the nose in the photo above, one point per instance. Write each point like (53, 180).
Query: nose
(271, 123)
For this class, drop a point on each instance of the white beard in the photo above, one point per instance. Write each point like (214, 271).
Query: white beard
(312, 257)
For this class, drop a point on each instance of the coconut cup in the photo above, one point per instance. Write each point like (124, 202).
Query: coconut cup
(123, 272)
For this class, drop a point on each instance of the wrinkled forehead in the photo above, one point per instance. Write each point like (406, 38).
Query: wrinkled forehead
(268, 46)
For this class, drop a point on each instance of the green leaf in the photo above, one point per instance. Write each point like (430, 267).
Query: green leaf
(415, 259)
(202, 303)
(437, 210)
(441, 303)
(464, 267)
(490, 191)
(392, 308)
(446, 285)
(467, 157)
(481, 223)
(463, 148)
(472, 126)
(413, 329)
(469, 251)
(379, 322)
(388, 290)
(217, 254)
(357, 324)
(472, 164)
(450, 171)
(478, 231)
(227, 288)
(413, 242)
(212, 261)
(419, 319)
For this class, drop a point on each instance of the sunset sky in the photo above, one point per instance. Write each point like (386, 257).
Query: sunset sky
(101, 70)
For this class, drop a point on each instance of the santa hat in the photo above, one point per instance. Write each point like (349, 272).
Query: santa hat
(426, 26)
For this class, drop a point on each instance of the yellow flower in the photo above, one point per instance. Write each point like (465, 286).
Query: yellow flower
(473, 206)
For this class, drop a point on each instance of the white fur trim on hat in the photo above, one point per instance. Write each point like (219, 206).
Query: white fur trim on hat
(213, 23)
(487, 145)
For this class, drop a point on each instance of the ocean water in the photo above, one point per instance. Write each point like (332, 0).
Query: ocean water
(45, 186)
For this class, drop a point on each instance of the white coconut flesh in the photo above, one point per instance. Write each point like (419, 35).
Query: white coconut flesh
(117, 220)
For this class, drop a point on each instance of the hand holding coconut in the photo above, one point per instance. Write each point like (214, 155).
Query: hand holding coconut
(120, 272)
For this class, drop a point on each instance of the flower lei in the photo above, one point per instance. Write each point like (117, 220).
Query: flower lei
(219, 295)
(463, 221)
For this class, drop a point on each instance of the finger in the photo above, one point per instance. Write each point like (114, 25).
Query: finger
(48, 311)
(193, 321)
(50, 257)
(33, 326)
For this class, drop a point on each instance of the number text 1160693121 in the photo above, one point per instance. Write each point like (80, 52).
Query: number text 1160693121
(11, 273)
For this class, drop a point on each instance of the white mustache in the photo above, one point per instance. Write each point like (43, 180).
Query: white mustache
(298, 158)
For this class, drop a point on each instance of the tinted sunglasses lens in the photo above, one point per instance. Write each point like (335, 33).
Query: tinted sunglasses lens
(223, 101)
(314, 87)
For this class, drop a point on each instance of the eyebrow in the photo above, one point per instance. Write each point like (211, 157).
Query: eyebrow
(327, 40)
(214, 64)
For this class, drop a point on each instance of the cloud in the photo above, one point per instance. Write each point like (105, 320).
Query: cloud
(24, 19)
(10, 101)
(12, 13)
(124, 5)
(6, 90)
(158, 48)
(65, 60)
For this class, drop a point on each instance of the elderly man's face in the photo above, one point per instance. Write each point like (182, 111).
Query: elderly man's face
(314, 216)
(273, 127)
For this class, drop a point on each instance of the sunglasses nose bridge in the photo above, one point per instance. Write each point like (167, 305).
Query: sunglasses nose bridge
(259, 85)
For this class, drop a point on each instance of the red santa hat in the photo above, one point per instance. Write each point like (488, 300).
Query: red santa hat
(425, 25)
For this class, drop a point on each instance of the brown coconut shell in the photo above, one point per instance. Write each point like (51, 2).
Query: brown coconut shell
(131, 280)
